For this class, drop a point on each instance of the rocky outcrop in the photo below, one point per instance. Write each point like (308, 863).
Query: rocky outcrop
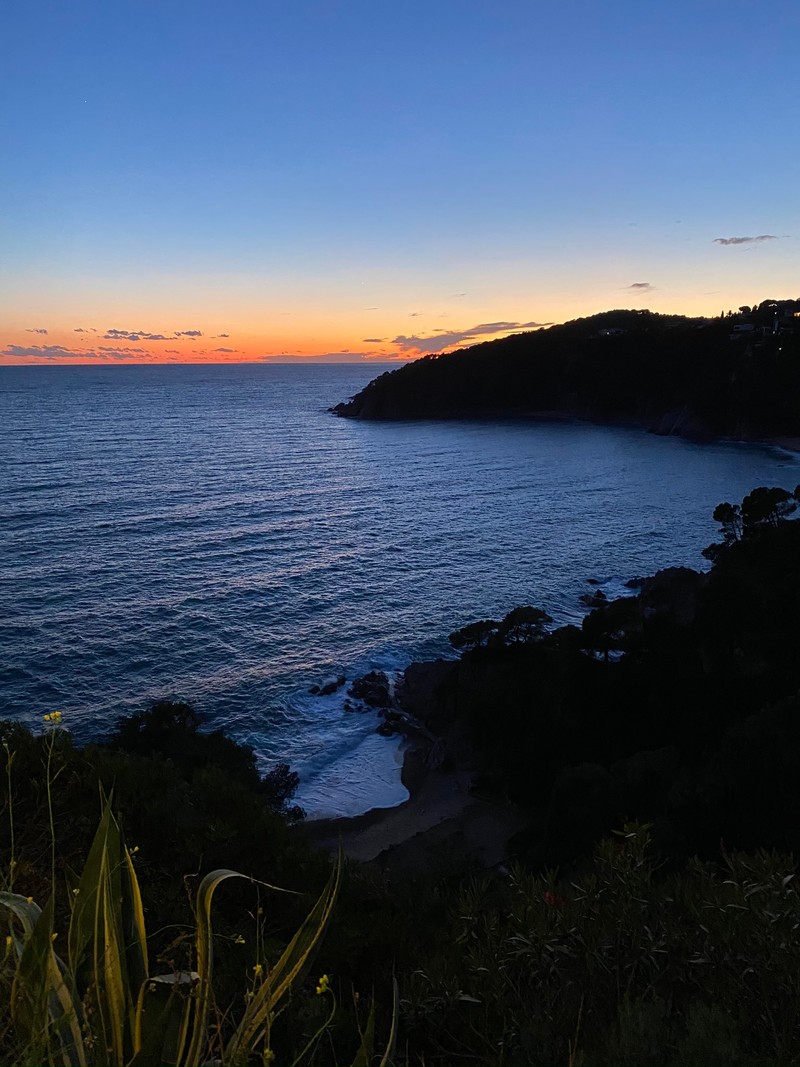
(328, 687)
(672, 591)
(373, 688)
(423, 688)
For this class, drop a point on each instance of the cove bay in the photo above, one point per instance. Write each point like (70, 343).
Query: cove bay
(215, 535)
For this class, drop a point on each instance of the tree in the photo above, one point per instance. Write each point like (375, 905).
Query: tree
(767, 507)
(524, 624)
(474, 635)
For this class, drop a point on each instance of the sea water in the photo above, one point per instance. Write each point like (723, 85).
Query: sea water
(213, 534)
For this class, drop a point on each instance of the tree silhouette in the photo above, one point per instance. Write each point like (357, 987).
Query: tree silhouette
(474, 635)
(524, 624)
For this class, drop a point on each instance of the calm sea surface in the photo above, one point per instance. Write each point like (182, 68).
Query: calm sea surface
(213, 534)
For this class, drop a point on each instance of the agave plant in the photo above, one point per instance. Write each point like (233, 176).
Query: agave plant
(100, 1005)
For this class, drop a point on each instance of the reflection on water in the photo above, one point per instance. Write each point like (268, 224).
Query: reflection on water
(214, 534)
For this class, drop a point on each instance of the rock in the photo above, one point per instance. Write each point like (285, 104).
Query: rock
(385, 729)
(314, 690)
(424, 685)
(373, 688)
(597, 599)
(329, 687)
(635, 583)
(673, 591)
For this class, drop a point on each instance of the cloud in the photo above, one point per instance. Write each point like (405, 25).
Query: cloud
(79, 329)
(413, 314)
(226, 350)
(217, 336)
(36, 331)
(144, 335)
(172, 351)
(327, 357)
(122, 353)
(640, 287)
(372, 340)
(56, 352)
(744, 240)
(435, 342)
(122, 335)
(456, 296)
(46, 351)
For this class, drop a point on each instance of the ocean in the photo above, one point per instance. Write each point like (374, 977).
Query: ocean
(213, 534)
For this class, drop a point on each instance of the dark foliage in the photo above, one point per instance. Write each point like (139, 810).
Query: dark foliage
(651, 713)
(172, 731)
(667, 373)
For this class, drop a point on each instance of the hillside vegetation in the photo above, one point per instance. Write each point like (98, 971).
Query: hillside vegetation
(668, 373)
(650, 914)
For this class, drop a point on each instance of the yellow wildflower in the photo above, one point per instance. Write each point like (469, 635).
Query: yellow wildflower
(239, 940)
(324, 985)
(258, 970)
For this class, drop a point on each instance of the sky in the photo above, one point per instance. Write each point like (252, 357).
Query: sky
(348, 180)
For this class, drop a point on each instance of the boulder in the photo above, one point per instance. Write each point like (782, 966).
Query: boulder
(424, 685)
(373, 688)
(331, 686)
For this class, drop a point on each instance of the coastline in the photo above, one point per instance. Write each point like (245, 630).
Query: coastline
(441, 820)
(790, 444)
(442, 815)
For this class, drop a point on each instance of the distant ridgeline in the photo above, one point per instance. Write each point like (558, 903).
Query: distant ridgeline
(737, 375)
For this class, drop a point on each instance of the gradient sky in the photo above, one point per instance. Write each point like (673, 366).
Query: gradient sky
(190, 180)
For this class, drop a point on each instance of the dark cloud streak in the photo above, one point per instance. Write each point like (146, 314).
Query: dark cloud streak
(744, 240)
(437, 341)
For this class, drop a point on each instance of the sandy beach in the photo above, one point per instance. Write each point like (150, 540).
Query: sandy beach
(442, 819)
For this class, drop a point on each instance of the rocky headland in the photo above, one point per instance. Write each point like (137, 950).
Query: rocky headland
(672, 706)
(701, 379)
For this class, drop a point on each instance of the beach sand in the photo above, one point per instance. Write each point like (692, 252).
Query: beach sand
(440, 821)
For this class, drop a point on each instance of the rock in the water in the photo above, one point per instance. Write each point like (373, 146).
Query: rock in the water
(635, 583)
(597, 599)
(329, 687)
(374, 689)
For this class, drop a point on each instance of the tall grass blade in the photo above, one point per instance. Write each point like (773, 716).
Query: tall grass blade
(30, 986)
(285, 972)
(107, 939)
(390, 1045)
(164, 1012)
(43, 1004)
(205, 960)
(364, 1055)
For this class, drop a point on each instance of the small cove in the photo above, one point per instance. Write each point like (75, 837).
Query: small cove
(215, 535)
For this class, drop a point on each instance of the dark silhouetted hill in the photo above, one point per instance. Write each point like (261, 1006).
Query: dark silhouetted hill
(667, 373)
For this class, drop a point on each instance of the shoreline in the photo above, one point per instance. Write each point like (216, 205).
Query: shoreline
(441, 820)
(441, 809)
